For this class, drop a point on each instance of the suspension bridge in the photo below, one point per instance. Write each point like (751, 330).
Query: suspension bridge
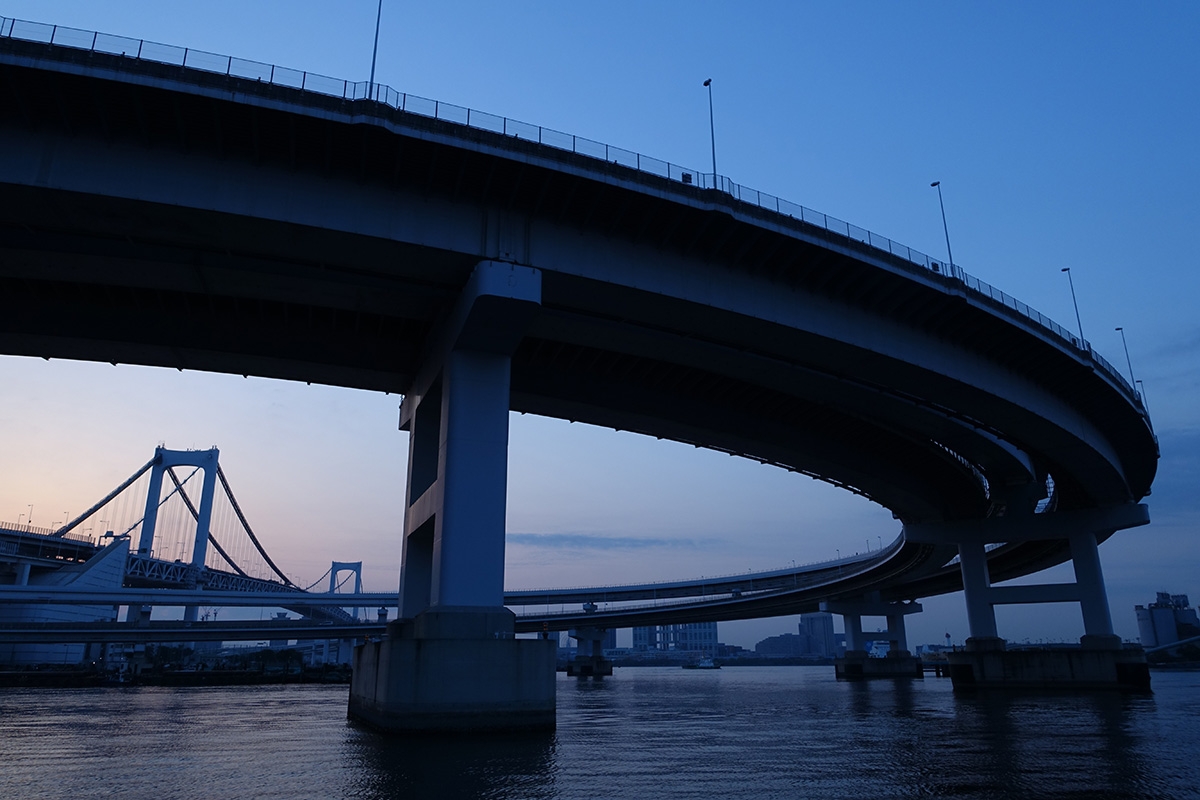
(173, 529)
(186, 541)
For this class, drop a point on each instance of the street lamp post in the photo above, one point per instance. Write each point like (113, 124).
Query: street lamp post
(1141, 389)
(1075, 302)
(374, 52)
(712, 131)
(1132, 381)
(945, 228)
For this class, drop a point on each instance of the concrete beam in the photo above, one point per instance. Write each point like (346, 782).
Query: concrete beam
(1040, 593)
(1032, 527)
(869, 609)
(491, 316)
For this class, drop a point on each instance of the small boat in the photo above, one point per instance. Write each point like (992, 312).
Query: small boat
(706, 663)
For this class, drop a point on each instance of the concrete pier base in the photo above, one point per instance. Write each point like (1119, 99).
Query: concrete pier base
(589, 662)
(454, 669)
(589, 667)
(855, 665)
(1100, 663)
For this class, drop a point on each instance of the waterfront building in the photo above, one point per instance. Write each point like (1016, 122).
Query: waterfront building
(815, 639)
(1168, 619)
(785, 645)
(695, 637)
(817, 631)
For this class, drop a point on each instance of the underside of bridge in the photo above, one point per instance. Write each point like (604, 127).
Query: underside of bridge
(156, 215)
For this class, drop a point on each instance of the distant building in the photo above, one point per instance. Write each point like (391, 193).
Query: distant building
(695, 637)
(1168, 619)
(815, 639)
(645, 638)
(788, 645)
(817, 631)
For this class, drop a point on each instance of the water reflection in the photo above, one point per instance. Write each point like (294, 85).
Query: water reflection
(1047, 743)
(495, 765)
(753, 732)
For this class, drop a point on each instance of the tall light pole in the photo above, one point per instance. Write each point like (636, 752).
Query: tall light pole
(712, 131)
(1129, 363)
(945, 228)
(374, 52)
(1078, 322)
(1141, 387)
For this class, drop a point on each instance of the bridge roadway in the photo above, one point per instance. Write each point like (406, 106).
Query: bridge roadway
(160, 215)
(46, 549)
(742, 596)
(721, 598)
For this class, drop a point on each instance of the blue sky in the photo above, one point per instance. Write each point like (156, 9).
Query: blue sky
(1063, 134)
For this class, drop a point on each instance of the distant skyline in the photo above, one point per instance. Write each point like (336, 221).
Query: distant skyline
(1063, 135)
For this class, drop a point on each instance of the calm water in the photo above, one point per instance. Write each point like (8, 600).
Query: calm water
(750, 732)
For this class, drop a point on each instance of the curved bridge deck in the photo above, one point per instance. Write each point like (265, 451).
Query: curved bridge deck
(192, 216)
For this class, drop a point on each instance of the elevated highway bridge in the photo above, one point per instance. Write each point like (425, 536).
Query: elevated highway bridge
(193, 211)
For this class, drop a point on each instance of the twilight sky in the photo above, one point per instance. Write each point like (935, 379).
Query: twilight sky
(1063, 134)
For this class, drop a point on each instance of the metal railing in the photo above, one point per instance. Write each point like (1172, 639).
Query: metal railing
(213, 63)
(747, 578)
(18, 527)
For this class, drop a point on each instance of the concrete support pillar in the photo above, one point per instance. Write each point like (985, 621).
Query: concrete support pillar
(854, 634)
(451, 661)
(468, 568)
(855, 664)
(1093, 598)
(23, 573)
(896, 633)
(589, 661)
(453, 551)
(981, 617)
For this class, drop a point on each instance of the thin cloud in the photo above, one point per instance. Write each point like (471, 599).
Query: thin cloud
(586, 541)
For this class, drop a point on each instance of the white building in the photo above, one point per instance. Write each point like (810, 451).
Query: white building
(695, 637)
(1168, 619)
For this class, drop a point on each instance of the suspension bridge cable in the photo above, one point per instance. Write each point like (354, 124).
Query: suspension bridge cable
(161, 503)
(196, 516)
(242, 517)
(71, 525)
(318, 580)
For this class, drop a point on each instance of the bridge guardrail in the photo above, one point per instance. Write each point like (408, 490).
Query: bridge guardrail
(868, 558)
(203, 61)
(746, 592)
(20, 527)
